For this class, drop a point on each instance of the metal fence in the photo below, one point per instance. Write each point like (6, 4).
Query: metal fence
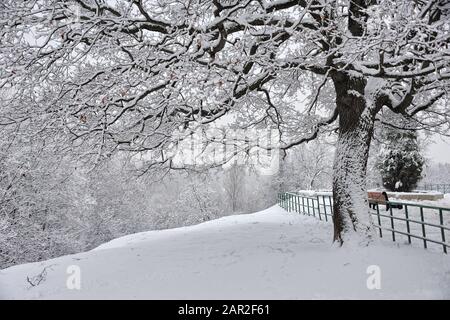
(428, 225)
(443, 187)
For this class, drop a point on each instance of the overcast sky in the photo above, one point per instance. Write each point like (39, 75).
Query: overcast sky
(439, 151)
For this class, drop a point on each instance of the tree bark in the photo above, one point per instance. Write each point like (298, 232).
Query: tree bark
(351, 215)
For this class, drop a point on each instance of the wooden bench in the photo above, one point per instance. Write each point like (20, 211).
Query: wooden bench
(381, 198)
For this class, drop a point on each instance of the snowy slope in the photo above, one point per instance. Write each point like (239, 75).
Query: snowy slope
(267, 255)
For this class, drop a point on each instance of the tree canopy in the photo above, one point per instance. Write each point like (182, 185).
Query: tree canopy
(140, 75)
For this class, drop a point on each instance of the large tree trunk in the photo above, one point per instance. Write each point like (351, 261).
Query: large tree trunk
(356, 121)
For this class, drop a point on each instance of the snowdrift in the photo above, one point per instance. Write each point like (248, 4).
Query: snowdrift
(267, 255)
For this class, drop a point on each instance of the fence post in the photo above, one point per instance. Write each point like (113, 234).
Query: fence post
(331, 206)
(423, 228)
(303, 205)
(392, 222)
(441, 220)
(318, 207)
(324, 208)
(285, 201)
(379, 221)
(407, 223)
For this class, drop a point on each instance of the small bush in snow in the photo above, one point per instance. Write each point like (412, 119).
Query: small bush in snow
(400, 162)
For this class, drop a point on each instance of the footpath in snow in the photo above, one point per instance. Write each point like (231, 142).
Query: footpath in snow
(267, 255)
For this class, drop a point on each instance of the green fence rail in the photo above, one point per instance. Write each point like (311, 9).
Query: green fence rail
(444, 188)
(429, 225)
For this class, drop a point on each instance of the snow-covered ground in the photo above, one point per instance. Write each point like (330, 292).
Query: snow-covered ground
(267, 255)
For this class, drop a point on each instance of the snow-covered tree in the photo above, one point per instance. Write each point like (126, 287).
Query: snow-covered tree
(308, 167)
(234, 185)
(400, 161)
(139, 75)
